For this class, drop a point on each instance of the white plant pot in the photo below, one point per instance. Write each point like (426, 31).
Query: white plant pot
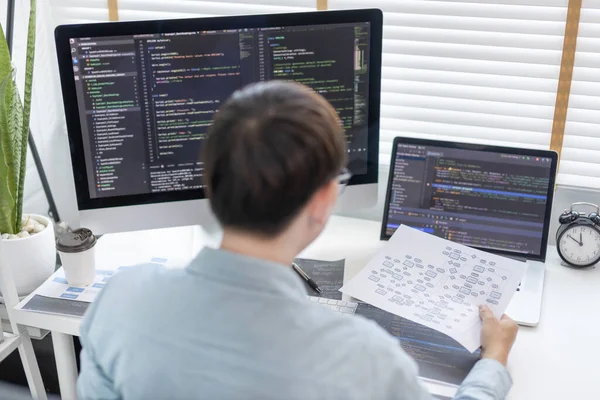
(31, 259)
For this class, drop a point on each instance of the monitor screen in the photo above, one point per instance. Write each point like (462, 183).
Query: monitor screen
(145, 101)
(496, 199)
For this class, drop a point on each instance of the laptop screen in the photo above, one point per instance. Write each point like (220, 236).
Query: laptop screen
(492, 198)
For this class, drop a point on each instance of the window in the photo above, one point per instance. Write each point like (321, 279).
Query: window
(471, 70)
(580, 163)
(77, 11)
(483, 71)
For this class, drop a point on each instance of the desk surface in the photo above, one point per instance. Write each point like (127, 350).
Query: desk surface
(556, 360)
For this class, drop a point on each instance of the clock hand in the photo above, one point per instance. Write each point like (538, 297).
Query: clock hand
(580, 239)
(573, 239)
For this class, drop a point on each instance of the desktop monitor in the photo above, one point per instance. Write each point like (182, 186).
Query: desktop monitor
(139, 98)
(497, 199)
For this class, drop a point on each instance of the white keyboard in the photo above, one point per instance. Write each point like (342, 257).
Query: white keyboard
(343, 307)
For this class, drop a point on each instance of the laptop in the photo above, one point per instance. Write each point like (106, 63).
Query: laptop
(496, 199)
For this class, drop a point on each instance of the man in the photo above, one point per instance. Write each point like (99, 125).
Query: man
(236, 324)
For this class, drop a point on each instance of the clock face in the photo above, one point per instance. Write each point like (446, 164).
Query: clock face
(580, 245)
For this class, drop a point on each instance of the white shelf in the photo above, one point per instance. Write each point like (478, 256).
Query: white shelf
(34, 333)
(50, 322)
(10, 343)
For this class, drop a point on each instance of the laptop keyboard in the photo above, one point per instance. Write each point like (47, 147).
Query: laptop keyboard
(340, 306)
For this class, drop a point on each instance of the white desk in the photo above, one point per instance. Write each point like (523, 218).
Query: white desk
(556, 360)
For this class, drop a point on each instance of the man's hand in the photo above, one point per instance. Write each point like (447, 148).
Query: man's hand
(497, 337)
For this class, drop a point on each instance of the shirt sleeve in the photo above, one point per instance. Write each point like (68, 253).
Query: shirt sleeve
(488, 380)
(92, 383)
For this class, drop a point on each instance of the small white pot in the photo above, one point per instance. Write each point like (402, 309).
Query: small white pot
(31, 259)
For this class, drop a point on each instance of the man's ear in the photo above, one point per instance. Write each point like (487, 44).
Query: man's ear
(322, 203)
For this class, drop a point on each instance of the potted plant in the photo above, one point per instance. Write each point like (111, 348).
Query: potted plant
(29, 249)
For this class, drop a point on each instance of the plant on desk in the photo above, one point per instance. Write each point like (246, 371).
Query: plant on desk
(28, 239)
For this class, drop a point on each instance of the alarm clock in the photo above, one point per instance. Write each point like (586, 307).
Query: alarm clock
(578, 237)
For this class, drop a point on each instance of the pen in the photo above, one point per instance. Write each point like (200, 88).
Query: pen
(304, 276)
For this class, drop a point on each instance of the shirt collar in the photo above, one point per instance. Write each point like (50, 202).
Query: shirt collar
(248, 272)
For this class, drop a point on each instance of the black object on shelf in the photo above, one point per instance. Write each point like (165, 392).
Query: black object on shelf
(53, 211)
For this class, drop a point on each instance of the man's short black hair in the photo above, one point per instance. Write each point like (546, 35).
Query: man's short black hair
(270, 148)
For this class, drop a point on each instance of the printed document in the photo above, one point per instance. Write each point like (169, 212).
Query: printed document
(56, 296)
(437, 283)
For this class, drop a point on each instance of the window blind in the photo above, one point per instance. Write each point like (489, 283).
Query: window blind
(483, 71)
(580, 163)
(77, 11)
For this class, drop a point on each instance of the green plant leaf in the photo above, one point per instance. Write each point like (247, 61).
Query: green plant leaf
(8, 182)
(14, 131)
(26, 112)
(5, 65)
(19, 151)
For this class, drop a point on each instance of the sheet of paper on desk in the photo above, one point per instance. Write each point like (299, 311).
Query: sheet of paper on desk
(437, 283)
(56, 296)
(56, 286)
(329, 275)
(439, 357)
(52, 305)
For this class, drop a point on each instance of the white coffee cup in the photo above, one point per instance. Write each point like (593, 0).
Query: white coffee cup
(77, 251)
